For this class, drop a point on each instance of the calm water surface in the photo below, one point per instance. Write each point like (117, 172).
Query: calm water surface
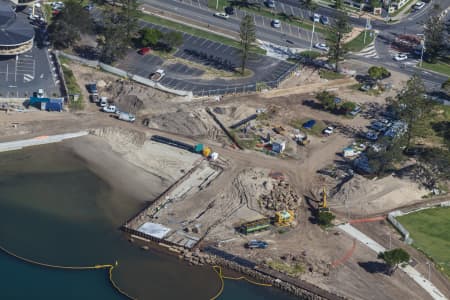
(53, 209)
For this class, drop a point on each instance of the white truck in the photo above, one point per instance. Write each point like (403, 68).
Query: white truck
(158, 75)
(127, 117)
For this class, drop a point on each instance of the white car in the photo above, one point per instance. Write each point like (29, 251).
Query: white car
(316, 18)
(276, 23)
(419, 5)
(400, 57)
(221, 15)
(109, 109)
(322, 46)
(328, 130)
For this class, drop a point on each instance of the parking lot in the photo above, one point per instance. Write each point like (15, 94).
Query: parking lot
(212, 54)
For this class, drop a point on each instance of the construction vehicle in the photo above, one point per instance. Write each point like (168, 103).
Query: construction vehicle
(255, 226)
(323, 206)
(206, 151)
(284, 217)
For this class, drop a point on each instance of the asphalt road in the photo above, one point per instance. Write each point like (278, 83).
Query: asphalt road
(413, 24)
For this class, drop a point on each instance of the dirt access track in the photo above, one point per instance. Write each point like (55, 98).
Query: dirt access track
(326, 258)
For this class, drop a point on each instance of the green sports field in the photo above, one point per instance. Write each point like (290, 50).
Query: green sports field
(430, 230)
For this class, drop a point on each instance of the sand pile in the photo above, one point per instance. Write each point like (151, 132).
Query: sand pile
(363, 195)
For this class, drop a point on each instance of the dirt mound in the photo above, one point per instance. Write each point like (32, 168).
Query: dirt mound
(363, 195)
(189, 123)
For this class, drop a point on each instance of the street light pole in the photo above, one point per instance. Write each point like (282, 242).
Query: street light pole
(429, 271)
(217, 5)
(312, 35)
(422, 43)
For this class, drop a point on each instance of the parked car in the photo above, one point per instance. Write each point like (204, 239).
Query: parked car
(378, 126)
(92, 88)
(324, 20)
(309, 124)
(328, 130)
(372, 135)
(419, 5)
(316, 18)
(270, 3)
(276, 23)
(158, 75)
(94, 98)
(221, 15)
(356, 111)
(321, 46)
(89, 7)
(109, 109)
(127, 117)
(257, 244)
(144, 50)
(400, 57)
(229, 10)
(103, 101)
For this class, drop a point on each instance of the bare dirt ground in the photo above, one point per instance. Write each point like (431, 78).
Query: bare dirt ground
(305, 250)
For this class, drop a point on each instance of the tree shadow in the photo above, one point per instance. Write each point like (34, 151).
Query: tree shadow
(374, 267)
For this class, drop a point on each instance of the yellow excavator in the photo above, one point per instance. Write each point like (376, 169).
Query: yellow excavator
(284, 217)
(323, 206)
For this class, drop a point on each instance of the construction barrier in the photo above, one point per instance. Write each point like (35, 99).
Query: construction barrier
(219, 272)
(110, 267)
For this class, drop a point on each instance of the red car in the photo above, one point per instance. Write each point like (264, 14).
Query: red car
(144, 51)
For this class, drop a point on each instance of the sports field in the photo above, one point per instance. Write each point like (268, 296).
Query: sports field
(430, 230)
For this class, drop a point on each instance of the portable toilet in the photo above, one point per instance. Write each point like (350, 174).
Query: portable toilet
(198, 148)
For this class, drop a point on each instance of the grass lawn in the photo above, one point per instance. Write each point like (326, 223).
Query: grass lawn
(357, 44)
(430, 231)
(330, 75)
(316, 130)
(72, 86)
(399, 10)
(197, 32)
(440, 67)
(222, 4)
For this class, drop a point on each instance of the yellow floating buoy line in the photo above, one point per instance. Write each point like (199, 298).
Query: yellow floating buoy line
(95, 267)
(219, 272)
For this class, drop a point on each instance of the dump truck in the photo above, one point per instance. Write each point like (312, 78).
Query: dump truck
(255, 226)
(158, 75)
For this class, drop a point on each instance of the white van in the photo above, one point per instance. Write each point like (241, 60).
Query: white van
(103, 101)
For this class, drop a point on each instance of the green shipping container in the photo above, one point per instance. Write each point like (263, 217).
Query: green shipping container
(254, 226)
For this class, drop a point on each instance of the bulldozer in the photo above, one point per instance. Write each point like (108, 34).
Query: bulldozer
(323, 205)
(284, 217)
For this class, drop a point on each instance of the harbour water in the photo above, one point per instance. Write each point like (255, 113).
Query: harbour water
(55, 210)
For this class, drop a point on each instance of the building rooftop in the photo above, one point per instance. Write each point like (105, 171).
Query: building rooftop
(14, 30)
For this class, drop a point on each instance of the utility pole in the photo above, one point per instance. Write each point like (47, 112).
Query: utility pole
(312, 36)
(429, 270)
(217, 4)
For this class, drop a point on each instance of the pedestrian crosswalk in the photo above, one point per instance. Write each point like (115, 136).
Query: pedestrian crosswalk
(369, 51)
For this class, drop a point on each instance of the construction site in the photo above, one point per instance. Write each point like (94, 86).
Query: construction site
(240, 175)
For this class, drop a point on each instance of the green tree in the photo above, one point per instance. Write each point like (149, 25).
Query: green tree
(393, 258)
(446, 86)
(129, 16)
(325, 218)
(172, 39)
(383, 160)
(412, 107)
(338, 4)
(434, 38)
(247, 34)
(327, 100)
(150, 36)
(112, 44)
(309, 5)
(378, 72)
(335, 37)
(348, 106)
(66, 27)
